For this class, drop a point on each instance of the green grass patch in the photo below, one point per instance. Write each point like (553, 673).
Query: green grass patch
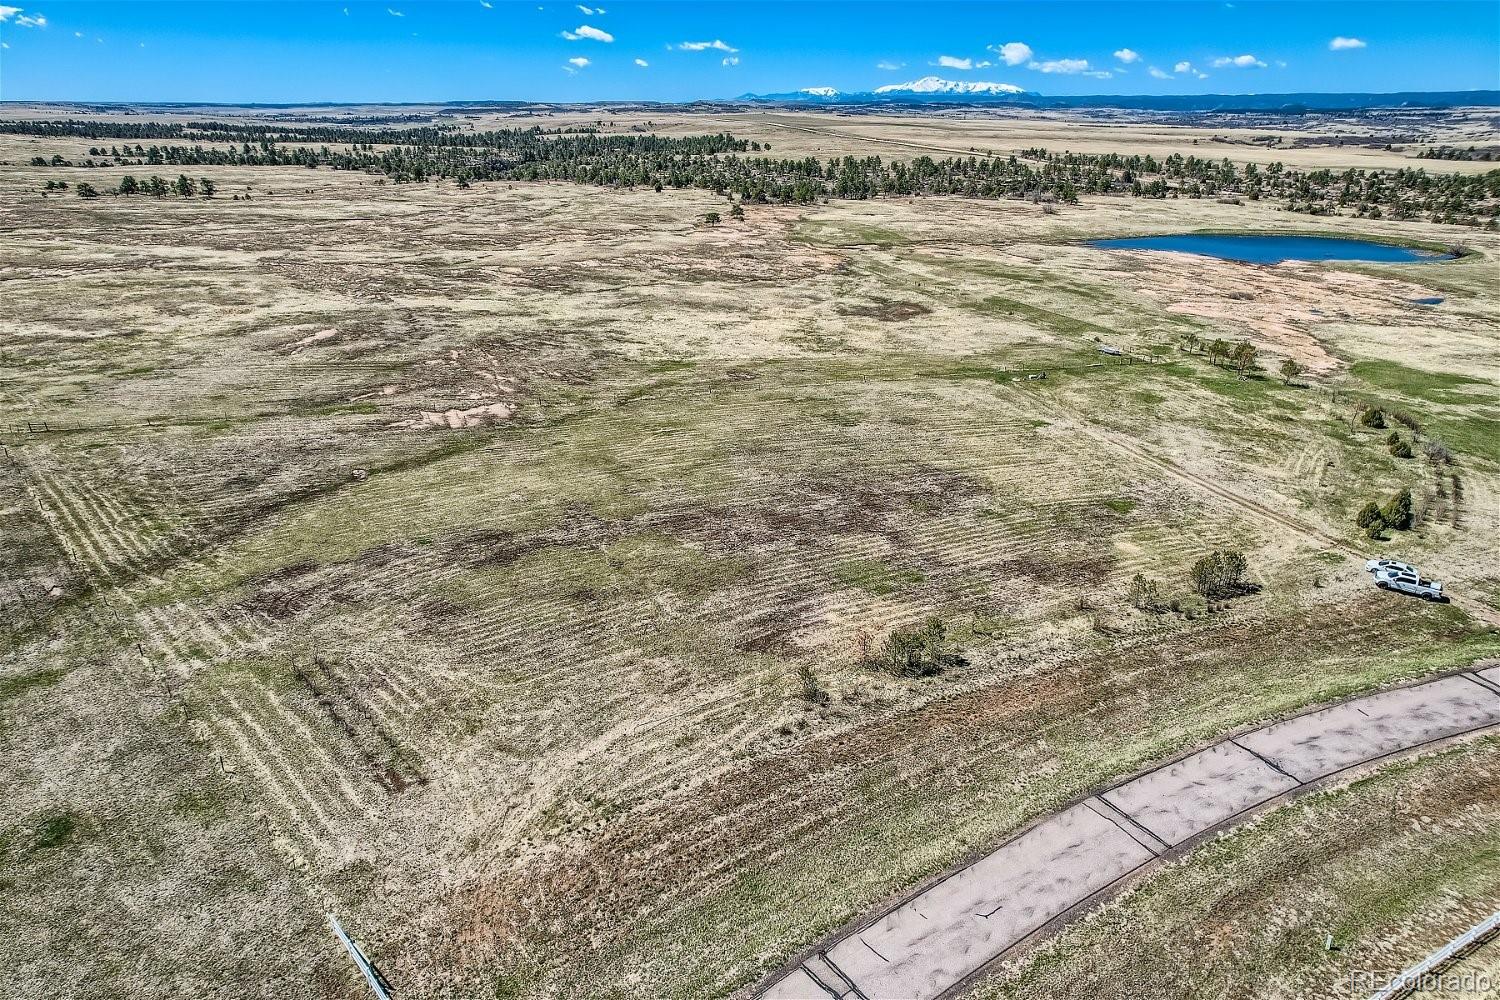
(826, 233)
(18, 684)
(875, 577)
(57, 829)
(664, 367)
(1431, 387)
(1047, 319)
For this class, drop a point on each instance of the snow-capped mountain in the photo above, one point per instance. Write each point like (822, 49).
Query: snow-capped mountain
(937, 85)
(936, 90)
(929, 88)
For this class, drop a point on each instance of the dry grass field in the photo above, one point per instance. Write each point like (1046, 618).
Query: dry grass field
(489, 567)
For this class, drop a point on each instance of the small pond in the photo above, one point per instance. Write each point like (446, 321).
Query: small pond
(1275, 249)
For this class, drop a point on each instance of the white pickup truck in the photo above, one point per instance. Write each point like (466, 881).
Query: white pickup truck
(1407, 581)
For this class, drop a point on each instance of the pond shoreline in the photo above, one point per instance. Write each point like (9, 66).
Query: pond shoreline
(1246, 248)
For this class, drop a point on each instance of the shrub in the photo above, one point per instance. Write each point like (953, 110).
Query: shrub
(1369, 515)
(1408, 421)
(918, 651)
(1393, 438)
(1398, 513)
(1401, 449)
(1220, 574)
(1372, 417)
(1437, 453)
(807, 682)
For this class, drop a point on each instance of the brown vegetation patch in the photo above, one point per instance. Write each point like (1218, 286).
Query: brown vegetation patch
(885, 310)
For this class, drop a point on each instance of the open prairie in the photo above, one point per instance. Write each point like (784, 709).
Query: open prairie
(496, 567)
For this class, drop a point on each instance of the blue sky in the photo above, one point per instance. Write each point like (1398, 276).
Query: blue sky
(493, 50)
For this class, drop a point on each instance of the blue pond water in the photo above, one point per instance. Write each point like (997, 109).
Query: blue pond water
(1275, 249)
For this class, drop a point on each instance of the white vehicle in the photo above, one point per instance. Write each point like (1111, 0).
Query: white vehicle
(1409, 583)
(1376, 565)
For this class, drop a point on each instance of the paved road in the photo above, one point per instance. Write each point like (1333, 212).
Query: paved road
(932, 943)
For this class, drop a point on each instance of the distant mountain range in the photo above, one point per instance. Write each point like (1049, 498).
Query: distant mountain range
(935, 90)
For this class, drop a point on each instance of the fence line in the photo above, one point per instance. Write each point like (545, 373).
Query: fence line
(377, 985)
(1411, 978)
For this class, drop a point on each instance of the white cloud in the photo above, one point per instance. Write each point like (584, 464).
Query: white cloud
(77, 34)
(483, 3)
(642, 63)
(1070, 67)
(6, 13)
(1183, 67)
(954, 62)
(731, 61)
(1127, 55)
(27, 21)
(1014, 53)
(579, 61)
(889, 66)
(1346, 43)
(1158, 73)
(1240, 62)
(700, 46)
(394, 12)
(584, 31)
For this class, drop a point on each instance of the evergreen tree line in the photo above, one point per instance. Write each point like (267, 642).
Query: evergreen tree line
(1456, 153)
(431, 136)
(713, 162)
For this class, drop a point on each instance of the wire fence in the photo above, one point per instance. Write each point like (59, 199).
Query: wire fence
(1412, 979)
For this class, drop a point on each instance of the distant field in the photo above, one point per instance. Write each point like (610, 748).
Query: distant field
(491, 566)
(1337, 142)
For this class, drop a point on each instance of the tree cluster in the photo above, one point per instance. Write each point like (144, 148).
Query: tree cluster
(1396, 515)
(1220, 574)
(715, 162)
(158, 187)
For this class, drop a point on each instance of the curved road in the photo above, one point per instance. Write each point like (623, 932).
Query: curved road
(938, 940)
